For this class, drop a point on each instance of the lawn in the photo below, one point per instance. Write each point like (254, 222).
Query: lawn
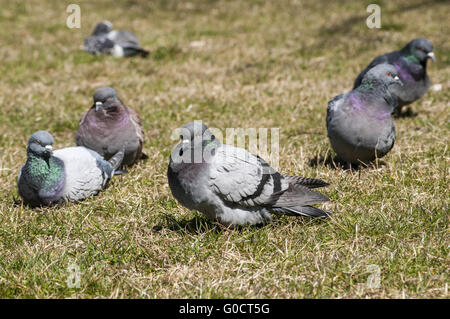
(232, 64)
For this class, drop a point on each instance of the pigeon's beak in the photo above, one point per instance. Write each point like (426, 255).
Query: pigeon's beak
(431, 56)
(98, 105)
(48, 150)
(185, 141)
(397, 79)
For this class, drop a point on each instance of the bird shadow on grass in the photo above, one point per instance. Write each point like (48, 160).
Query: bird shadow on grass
(344, 26)
(336, 163)
(199, 225)
(196, 225)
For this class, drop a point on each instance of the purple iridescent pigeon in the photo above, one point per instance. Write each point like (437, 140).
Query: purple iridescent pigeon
(69, 174)
(411, 65)
(109, 125)
(359, 123)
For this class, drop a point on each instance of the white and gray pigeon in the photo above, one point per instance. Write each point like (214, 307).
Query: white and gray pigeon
(109, 125)
(233, 186)
(69, 174)
(118, 43)
(359, 123)
(411, 65)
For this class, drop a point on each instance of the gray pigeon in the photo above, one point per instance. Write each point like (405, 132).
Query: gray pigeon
(69, 174)
(118, 43)
(233, 186)
(411, 65)
(109, 125)
(359, 123)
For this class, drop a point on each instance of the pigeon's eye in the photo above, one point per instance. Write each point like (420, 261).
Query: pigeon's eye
(108, 98)
(388, 74)
(38, 143)
(181, 137)
(213, 137)
(181, 152)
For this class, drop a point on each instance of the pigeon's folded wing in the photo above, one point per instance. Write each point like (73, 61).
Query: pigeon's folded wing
(123, 38)
(85, 172)
(136, 120)
(240, 177)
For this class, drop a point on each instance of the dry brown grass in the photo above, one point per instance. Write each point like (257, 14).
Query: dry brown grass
(238, 64)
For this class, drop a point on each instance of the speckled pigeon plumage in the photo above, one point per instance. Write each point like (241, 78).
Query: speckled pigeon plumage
(359, 123)
(118, 43)
(109, 125)
(69, 174)
(411, 65)
(233, 186)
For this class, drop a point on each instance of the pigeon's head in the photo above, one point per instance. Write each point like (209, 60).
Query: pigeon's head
(420, 48)
(192, 130)
(40, 144)
(102, 28)
(197, 145)
(104, 98)
(382, 74)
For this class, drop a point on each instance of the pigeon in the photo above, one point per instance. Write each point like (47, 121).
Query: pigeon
(118, 43)
(411, 65)
(359, 123)
(110, 125)
(234, 187)
(69, 174)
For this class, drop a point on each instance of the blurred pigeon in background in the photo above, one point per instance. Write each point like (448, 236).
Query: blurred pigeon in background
(68, 174)
(118, 43)
(359, 123)
(109, 125)
(233, 186)
(411, 65)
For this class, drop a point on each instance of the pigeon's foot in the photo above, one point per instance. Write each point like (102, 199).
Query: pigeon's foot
(328, 160)
(121, 172)
(398, 113)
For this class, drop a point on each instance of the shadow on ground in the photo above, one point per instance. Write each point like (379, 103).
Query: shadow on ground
(200, 225)
(336, 163)
(346, 25)
(195, 225)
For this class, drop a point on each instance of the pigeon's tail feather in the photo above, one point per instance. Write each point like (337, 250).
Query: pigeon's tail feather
(308, 182)
(298, 195)
(144, 156)
(117, 159)
(134, 50)
(308, 211)
(143, 53)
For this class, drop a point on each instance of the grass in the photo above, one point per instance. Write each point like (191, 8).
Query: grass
(230, 64)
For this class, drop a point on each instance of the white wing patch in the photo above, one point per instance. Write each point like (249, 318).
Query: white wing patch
(83, 177)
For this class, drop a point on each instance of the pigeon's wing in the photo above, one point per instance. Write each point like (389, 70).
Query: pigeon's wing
(123, 37)
(86, 172)
(128, 42)
(137, 123)
(239, 177)
(305, 181)
(98, 44)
